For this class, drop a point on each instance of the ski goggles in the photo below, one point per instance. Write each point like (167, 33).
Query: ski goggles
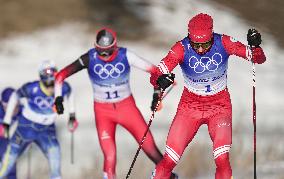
(204, 45)
(47, 76)
(105, 52)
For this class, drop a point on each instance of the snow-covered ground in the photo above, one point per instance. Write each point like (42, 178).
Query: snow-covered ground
(20, 56)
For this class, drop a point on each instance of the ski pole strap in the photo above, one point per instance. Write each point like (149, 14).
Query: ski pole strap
(145, 134)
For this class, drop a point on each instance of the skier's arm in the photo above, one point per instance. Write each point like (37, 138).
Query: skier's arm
(79, 64)
(13, 101)
(237, 48)
(139, 62)
(173, 58)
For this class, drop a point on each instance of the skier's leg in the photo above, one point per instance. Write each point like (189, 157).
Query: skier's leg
(133, 121)
(49, 145)
(13, 173)
(13, 151)
(3, 146)
(9, 160)
(184, 127)
(220, 130)
(106, 133)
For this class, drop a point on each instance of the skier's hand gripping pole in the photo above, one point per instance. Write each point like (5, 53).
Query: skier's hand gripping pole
(72, 123)
(58, 104)
(254, 40)
(163, 82)
(156, 94)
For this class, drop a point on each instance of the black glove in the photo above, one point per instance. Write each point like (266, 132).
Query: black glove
(253, 38)
(72, 123)
(6, 130)
(155, 100)
(59, 105)
(165, 80)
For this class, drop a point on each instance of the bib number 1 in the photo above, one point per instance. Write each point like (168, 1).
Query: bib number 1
(208, 89)
(112, 95)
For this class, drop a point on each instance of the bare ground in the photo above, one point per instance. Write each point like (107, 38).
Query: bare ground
(125, 16)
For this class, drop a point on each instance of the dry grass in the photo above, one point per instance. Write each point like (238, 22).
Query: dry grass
(29, 15)
(262, 13)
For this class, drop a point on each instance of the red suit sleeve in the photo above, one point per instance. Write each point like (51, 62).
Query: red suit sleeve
(173, 58)
(74, 67)
(79, 64)
(234, 47)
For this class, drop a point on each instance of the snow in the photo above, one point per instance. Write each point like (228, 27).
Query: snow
(20, 56)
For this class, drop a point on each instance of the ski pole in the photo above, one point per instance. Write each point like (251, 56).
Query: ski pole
(254, 118)
(253, 113)
(144, 136)
(72, 148)
(254, 39)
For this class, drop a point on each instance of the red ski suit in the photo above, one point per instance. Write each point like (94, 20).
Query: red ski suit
(205, 100)
(113, 101)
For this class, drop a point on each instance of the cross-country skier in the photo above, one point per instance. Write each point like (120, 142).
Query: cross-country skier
(203, 57)
(37, 120)
(108, 67)
(5, 96)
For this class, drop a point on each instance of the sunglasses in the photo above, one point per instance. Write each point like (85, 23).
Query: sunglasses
(204, 45)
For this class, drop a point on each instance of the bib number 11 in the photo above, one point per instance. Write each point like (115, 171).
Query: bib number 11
(112, 95)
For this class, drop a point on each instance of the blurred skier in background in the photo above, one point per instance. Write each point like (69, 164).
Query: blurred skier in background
(5, 96)
(37, 121)
(203, 57)
(108, 67)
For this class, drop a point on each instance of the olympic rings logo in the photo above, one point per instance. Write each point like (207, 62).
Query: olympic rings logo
(109, 70)
(205, 63)
(44, 102)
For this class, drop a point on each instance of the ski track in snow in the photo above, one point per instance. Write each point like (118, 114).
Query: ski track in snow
(20, 56)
